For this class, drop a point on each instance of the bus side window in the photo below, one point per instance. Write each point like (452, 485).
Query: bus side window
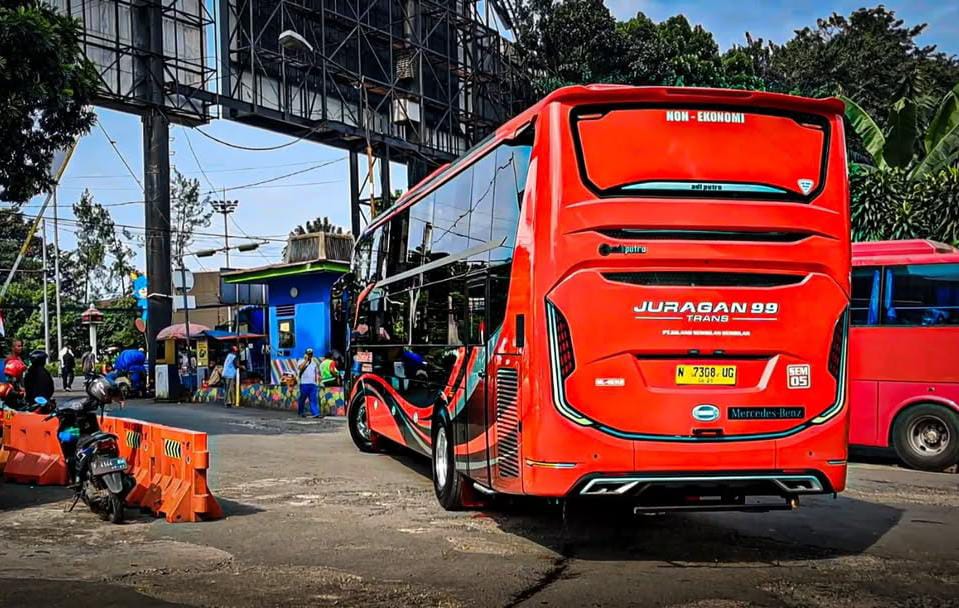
(921, 294)
(865, 296)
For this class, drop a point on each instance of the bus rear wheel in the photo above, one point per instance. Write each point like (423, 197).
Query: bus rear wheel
(358, 421)
(926, 437)
(450, 486)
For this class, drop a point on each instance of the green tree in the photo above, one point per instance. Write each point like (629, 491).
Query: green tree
(189, 212)
(903, 145)
(320, 224)
(46, 87)
(95, 230)
(871, 56)
(569, 42)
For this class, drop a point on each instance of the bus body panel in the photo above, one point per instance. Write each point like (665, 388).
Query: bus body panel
(558, 268)
(894, 366)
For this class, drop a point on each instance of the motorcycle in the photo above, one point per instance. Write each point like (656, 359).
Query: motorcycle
(97, 473)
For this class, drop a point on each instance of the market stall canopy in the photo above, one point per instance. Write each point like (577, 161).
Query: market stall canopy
(178, 331)
(220, 334)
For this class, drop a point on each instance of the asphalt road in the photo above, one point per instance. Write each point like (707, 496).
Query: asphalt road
(312, 522)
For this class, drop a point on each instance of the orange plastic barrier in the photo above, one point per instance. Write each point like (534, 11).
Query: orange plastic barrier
(33, 452)
(169, 464)
(170, 467)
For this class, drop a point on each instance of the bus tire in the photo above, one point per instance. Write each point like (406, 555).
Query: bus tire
(358, 422)
(448, 483)
(926, 437)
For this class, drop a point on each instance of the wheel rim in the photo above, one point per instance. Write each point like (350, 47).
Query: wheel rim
(929, 435)
(362, 427)
(440, 462)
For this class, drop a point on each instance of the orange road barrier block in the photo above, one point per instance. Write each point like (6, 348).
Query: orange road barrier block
(170, 468)
(33, 451)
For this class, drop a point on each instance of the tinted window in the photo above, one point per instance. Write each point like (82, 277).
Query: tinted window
(481, 206)
(451, 211)
(361, 259)
(287, 334)
(922, 295)
(420, 232)
(865, 296)
(512, 166)
(687, 152)
(378, 254)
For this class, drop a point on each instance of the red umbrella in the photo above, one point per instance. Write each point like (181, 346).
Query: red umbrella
(178, 331)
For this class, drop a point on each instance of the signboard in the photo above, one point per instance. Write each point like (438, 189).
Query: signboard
(202, 353)
(178, 302)
(116, 36)
(183, 279)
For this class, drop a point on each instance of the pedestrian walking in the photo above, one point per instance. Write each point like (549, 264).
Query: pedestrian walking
(309, 377)
(229, 375)
(67, 364)
(89, 363)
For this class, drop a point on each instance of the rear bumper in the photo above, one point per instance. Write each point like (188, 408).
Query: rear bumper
(736, 483)
(810, 462)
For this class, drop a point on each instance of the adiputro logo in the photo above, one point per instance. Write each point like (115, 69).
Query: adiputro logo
(705, 412)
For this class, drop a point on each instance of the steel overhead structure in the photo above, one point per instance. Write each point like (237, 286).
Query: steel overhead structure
(411, 81)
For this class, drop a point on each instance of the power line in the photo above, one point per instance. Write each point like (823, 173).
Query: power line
(233, 170)
(122, 159)
(257, 149)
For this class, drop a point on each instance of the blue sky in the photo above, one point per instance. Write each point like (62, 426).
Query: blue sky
(272, 210)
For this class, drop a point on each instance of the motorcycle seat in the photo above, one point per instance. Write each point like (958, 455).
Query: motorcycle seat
(99, 435)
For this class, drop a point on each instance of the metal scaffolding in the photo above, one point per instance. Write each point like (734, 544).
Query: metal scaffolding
(425, 78)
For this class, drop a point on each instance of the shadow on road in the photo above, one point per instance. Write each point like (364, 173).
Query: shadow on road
(601, 530)
(21, 496)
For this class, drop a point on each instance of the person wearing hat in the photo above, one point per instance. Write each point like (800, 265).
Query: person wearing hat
(309, 377)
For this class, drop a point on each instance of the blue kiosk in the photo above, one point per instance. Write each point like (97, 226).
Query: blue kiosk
(299, 302)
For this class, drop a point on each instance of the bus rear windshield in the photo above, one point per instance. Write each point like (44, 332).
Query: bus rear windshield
(704, 152)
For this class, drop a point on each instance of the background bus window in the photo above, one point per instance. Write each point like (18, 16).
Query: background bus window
(921, 295)
(865, 296)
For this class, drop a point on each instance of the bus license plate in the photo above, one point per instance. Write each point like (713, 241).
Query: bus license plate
(705, 374)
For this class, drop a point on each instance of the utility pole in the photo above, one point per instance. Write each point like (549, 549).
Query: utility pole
(148, 34)
(46, 299)
(226, 207)
(56, 271)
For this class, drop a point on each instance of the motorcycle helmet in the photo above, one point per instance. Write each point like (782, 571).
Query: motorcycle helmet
(38, 357)
(102, 390)
(14, 368)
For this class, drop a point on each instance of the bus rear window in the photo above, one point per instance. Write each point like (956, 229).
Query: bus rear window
(701, 152)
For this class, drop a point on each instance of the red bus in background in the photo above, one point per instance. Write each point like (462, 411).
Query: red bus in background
(904, 351)
(623, 292)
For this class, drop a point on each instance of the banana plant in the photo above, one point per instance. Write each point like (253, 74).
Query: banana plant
(897, 149)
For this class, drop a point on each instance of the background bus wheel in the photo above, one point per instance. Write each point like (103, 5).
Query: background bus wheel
(926, 437)
(449, 485)
(359, 422)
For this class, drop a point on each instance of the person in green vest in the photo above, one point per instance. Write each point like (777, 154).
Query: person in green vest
(329, 375)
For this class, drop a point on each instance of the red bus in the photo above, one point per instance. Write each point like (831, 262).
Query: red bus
(623, 292)
(904, 351)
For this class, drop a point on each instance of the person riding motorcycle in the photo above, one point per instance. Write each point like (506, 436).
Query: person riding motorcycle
(11, 391)
(38, 381)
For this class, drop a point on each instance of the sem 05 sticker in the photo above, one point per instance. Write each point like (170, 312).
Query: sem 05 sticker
(610, 382)
(798, 376)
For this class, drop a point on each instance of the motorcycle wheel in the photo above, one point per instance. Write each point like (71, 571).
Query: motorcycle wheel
(114, 510)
